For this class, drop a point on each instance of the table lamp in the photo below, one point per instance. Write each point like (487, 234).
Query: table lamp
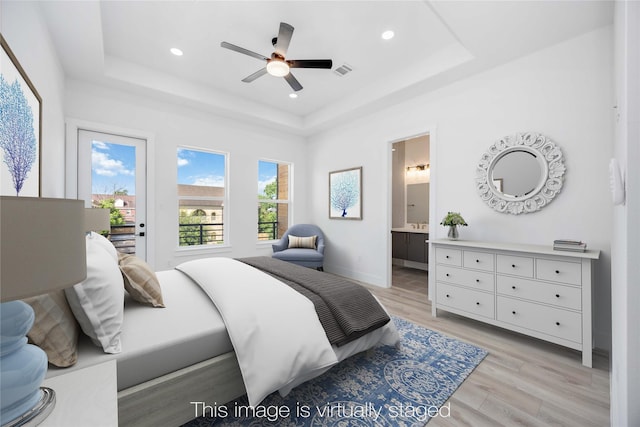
(42, 249)
(97, 219)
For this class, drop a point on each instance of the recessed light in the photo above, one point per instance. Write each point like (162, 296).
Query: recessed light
(293, 95)
(176, 51)
(388, 35)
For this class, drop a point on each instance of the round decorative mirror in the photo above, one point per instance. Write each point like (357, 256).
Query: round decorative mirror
(520, 173)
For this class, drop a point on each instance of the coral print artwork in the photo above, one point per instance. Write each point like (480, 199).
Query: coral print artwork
(345, 194)
(20, 129)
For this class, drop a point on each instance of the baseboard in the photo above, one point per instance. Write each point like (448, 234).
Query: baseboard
(359, 276)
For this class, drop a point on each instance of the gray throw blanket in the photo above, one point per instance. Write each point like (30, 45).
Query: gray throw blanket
(346, 310)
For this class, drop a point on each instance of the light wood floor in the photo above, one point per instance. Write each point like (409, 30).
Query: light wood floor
(522, 382)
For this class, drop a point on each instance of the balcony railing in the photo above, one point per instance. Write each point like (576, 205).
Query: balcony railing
(123, 238)
(268, 230)
(209, 233)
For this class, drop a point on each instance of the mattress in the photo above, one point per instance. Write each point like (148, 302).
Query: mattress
(157, 341)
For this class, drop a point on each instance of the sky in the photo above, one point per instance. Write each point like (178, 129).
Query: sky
(267, 172)
(113, 166)
(200, 168)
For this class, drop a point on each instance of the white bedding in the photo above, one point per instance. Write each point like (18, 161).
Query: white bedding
(157, 341)
(275, 331)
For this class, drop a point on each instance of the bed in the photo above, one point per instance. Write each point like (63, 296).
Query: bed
(183, 352)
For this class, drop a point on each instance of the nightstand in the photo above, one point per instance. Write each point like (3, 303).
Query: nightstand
(85, 397)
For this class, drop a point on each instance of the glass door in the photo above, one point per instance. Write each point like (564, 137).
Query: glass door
(112, 175)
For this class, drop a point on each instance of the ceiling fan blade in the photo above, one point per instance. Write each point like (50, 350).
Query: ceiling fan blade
(293, 82)
(243, 50)
(252, 77)
(284, 38)
(310, 63)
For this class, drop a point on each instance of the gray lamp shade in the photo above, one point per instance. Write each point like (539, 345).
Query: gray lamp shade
(42, 245)
(96, 219)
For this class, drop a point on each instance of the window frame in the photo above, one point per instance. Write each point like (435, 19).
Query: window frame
(288, 202)
(226, 242)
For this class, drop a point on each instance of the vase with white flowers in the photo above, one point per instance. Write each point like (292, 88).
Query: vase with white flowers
(453, 220)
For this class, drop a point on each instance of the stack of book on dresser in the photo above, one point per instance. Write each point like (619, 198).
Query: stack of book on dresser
(569, 245)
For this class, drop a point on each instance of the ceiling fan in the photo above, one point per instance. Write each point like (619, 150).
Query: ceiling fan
(277, 65)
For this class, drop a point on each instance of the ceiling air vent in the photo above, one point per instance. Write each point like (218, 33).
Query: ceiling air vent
(343, 70)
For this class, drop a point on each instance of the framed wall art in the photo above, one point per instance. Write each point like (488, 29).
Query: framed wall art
(20, 128)
(345, 194)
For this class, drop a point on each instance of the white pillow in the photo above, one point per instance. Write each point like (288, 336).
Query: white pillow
(98, 301)
(104, 243)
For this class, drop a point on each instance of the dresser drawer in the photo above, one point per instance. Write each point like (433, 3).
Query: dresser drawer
(547, 293)
(516, 265)
(449, 256)
(548, 320)
(476, 302)
(470, 278)
(559, 271)
(478, 260)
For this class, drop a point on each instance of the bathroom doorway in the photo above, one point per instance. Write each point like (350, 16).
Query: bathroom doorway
(410, 188)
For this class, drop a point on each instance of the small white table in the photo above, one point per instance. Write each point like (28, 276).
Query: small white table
(85, 397)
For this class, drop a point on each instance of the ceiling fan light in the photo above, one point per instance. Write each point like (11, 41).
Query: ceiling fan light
(277, 68)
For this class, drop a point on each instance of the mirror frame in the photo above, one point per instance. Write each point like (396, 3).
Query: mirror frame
(552, 166)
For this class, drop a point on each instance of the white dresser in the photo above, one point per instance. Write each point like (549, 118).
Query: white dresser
(530, 289)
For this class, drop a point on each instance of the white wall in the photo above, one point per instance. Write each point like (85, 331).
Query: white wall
(23, 28)
(564, 92)
(625, 247)
(170, 126)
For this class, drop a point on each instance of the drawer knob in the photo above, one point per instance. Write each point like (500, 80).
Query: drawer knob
(477, 260)
(513, 266)
(557, 271)
(513, 287)
(446, 256)
(477, 280)
(447, 274)
(557, 323)
(477, 303)
(447, 295)
(513, 312)
(557, 295)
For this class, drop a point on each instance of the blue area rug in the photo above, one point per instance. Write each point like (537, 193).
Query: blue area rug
(382, 387)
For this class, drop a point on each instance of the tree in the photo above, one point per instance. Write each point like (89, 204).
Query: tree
(190, 234)
(116, 217)
(271, 190)
(268, 211)
(17, 135)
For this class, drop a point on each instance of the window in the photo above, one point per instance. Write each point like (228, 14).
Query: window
(201, 197)
(273, 199)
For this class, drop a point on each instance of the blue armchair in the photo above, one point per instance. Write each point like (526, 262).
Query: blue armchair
(305, 257)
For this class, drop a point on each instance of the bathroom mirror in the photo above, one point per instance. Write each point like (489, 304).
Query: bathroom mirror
(418, 203)
(520, 173)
